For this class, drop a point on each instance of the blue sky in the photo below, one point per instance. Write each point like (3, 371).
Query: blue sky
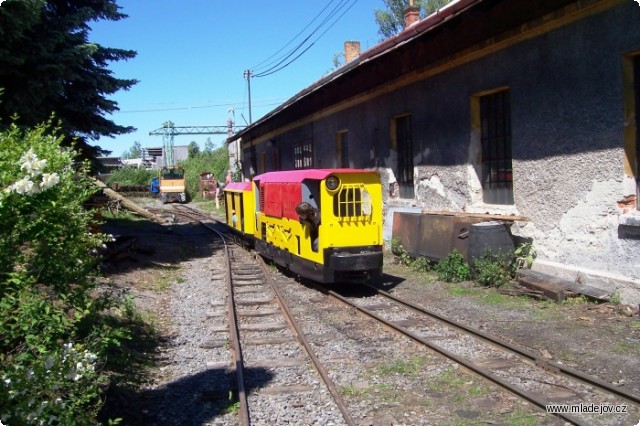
(192, 55)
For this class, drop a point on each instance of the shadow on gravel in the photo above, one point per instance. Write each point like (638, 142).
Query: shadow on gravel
(386, 282)
(141, 244)
(191, 400)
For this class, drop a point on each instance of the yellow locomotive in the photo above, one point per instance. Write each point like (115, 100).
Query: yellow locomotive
(322, 224)
(172, 185)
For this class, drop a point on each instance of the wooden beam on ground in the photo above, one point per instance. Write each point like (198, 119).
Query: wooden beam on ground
(127, 204)
(555, 288)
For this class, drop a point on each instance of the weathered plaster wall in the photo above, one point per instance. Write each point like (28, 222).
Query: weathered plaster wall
(566, 99)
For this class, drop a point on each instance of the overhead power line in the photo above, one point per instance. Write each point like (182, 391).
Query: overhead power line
(283, 61)
(342, 7)
(232, 104)
(294, 37)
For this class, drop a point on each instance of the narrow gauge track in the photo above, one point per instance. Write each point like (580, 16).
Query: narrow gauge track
(261, 329)
(521, 372)
(180, 212)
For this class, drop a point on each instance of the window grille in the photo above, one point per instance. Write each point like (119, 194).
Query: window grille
(404, 140)
(303, 156)
(352, 201)
(497, 179)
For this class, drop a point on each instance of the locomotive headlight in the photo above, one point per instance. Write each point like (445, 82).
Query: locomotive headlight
(332, 183)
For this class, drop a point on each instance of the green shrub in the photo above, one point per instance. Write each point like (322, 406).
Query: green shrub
(396, 247)
(216, 162)
(131, 176)
(52, 331)
(403, 256)
(494, 268)
(525, 254)
(453, 268)
(421, 264)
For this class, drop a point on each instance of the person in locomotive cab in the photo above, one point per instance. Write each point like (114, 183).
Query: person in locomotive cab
(234, 218)
(308, 215)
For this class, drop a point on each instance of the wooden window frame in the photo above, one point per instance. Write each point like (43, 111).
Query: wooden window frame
(631, 101)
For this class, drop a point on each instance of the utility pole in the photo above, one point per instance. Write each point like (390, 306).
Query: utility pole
(248, 75)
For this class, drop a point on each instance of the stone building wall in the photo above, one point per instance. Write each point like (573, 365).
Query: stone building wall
(566, 93)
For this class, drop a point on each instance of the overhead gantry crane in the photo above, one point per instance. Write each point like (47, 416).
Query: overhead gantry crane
(172, 181)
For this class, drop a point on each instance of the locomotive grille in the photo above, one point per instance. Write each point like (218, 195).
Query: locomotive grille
(352, 201)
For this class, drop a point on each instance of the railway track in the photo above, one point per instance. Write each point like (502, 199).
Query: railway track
(272, 388)
(521, 372)
(180, 213)
(263, 320)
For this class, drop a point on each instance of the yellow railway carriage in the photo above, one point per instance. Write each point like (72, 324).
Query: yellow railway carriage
(239, 201)
(323, 224)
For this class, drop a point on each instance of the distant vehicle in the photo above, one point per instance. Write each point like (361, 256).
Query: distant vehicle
(172, 185)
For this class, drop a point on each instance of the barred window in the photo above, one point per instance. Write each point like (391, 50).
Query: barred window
(303, 156)
(495, 118)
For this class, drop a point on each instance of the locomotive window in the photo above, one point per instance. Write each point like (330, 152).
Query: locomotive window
(352, 201)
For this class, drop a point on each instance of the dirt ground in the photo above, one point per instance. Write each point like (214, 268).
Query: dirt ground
(602, 339)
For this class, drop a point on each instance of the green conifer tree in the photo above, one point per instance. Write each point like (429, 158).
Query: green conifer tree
(48, 66)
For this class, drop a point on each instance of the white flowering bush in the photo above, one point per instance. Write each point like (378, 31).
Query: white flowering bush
(35, 179)
(53, 331)
(47, 391)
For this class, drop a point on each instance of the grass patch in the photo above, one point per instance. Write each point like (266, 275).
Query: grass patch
(448, 381)
(165, 280)
(580, 299)
(519, 417)
(495, 298)
(626, 347)
(479, 391)
(209, 206)
(489, 296)
(458, 290)
(566, 356)
(233, 407)
(547, 309)
(383, 391)
(405, 367)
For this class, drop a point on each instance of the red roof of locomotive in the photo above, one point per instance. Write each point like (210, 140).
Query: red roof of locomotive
(297, 176)
(239, 186)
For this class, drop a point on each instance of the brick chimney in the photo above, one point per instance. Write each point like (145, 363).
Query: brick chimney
(351, 50)
(411, 14)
